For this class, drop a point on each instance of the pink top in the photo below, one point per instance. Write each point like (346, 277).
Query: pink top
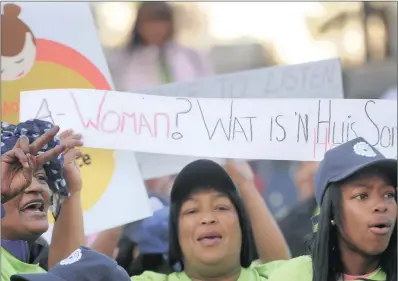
(139, 70)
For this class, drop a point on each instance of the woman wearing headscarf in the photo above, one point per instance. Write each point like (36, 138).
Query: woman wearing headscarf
(355, 229)
(32, 186)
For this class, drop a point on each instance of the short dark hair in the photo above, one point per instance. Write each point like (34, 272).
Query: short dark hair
(160, 10)
(326, 261)
(175, 253)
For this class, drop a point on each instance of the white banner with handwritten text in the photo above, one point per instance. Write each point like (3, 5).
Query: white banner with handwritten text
(276, 129)
(317, 79)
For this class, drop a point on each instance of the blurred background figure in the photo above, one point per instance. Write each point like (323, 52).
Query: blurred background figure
(296, 225)
(143, 245)
(152, 56)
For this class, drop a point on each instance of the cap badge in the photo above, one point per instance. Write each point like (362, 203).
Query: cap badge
(364, 149)
(74, 257)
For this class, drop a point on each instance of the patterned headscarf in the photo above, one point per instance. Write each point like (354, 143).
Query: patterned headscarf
(33, 129)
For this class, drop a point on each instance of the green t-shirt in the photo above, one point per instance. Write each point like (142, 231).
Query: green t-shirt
(299, 269)
(11, 265)
(253, 273)
(256, 272)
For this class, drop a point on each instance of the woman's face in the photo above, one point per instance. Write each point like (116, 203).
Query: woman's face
(26, 214)
(18, 66)
(369, 214)
(209, 230)
(154, 32)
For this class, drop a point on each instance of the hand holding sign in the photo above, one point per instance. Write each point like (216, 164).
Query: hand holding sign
(241, 172)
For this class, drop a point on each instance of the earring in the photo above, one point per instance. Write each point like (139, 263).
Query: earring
(332, 222)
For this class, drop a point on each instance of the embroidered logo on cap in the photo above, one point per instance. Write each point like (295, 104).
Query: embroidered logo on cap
(364, 149)
(74, 257)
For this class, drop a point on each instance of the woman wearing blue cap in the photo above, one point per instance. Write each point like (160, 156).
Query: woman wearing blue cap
(39, 173)
(355, 229)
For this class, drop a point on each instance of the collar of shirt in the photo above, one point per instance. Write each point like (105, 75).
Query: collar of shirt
(18, 248)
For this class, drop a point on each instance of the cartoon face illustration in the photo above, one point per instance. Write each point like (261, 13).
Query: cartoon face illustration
(18, 45)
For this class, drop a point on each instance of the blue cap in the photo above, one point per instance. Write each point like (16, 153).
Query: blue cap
(83, 264)
(131, 231)
(153, 236)
(347, 159)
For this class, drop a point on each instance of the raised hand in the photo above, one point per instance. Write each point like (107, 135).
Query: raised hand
(239, 172)
(72, 173)
(19, 163)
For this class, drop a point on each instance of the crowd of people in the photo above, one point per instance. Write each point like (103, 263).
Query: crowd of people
(216, 226)
(209, 222)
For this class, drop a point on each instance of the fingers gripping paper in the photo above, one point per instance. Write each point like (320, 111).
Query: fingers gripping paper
(277, 129)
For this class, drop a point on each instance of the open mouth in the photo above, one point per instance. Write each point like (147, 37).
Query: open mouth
(210, 239)
(380, 228)
(36, 205)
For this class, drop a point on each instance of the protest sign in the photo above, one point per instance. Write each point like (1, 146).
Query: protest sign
(55, 45)
(320, 79)
(275, 129)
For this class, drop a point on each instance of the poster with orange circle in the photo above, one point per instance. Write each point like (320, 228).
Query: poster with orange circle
(55, 46)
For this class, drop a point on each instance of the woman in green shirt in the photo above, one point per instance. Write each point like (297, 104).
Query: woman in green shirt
(210, 232)
(48, 185)
(356, 233)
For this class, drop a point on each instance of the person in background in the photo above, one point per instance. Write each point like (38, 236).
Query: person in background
(356, 231)
(296, 226)
(121, 242)
(29, 189)
(152, 56)
(152, 245)
(127, 250)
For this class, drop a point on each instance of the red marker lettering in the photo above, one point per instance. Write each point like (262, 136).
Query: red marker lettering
(123, 123)
(113, 122)
(326, 143)
(89, 122)
(116, 124)
(156, 125)
(144, 123)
